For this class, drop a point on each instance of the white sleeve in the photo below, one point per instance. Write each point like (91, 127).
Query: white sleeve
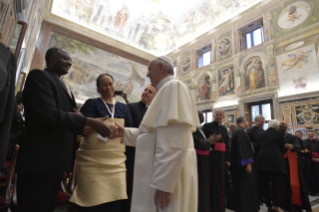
(130, 136)
(170, 154)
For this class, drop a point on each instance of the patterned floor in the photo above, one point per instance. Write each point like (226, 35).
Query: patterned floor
(313, 200)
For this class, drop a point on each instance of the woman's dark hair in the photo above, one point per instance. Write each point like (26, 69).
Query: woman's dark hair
(101, 75)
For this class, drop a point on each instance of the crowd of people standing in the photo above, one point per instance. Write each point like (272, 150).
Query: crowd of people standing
(270, 167)
(168, 161)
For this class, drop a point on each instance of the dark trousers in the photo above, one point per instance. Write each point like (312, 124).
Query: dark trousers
(38, 192)
(271, 187)
(106, 207)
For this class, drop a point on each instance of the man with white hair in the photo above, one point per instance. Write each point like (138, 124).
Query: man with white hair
(165, 173)
(219, 160)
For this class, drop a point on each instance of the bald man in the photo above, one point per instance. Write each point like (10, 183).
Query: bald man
(165, 170)
(219, 157)
(138, 110)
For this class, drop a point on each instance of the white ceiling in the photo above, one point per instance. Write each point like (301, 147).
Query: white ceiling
(154, 26)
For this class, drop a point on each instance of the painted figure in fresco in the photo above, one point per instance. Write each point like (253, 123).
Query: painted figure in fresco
(72, 10)
(224, 47)
(160, 25)
(293, 14)
(122, 17)
(204, 87)
(254, 76)
(300, 83)
(297, 58)
(186, 62)
(226, 82)
(190, 17)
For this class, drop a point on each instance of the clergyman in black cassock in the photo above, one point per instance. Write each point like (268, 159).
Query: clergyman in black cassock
(305, 152)
(217, 159)
(253, 134)
(244, 198)
(313, 147)
(203, 146)
(138, 110)
(293, 144)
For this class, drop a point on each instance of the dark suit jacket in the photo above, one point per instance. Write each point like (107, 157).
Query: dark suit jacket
(200, 142)
(8, 68)
(138, 110)
(253, 135)
(270, 147)
(48, 144)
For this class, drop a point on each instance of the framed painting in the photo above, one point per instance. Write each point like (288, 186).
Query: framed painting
(20, 83)
(17, 39)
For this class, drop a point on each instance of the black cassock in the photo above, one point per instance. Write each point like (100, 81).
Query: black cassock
(244, 198)
(313, 146)
(286, 194)
(138, 111)
(202, 147)
(218, 169)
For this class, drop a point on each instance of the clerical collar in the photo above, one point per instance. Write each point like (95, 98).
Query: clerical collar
(163, 81)
(217, 123)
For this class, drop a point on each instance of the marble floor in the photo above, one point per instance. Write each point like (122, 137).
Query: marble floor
(314, 201)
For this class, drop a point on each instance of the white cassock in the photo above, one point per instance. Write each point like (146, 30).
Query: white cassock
(165, 157)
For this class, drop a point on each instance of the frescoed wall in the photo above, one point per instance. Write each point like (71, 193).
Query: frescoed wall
(301, 115)
(89, 62)
(284, 65)
(295, 16)
(204, 85)
(224, 47)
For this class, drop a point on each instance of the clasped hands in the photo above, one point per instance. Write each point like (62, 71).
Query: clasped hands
(98, 125)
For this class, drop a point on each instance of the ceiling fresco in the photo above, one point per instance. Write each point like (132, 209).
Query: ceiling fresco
(154, 26)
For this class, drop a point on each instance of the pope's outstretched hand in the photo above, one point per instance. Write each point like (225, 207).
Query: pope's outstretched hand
(119, 132)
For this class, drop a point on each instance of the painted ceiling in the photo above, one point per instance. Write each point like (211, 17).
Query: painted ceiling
(155, 26)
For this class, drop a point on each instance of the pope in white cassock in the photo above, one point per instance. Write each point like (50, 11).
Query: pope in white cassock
(165, 173)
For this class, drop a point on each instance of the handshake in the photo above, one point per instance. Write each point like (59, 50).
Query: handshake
(109, 130)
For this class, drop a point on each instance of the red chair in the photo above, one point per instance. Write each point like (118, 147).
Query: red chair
(5, 201)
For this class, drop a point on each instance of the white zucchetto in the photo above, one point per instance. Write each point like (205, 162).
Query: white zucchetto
(166, 60)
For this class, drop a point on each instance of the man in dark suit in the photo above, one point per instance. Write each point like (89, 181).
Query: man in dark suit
(51, 125)
(8, 67)
(138, 110)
